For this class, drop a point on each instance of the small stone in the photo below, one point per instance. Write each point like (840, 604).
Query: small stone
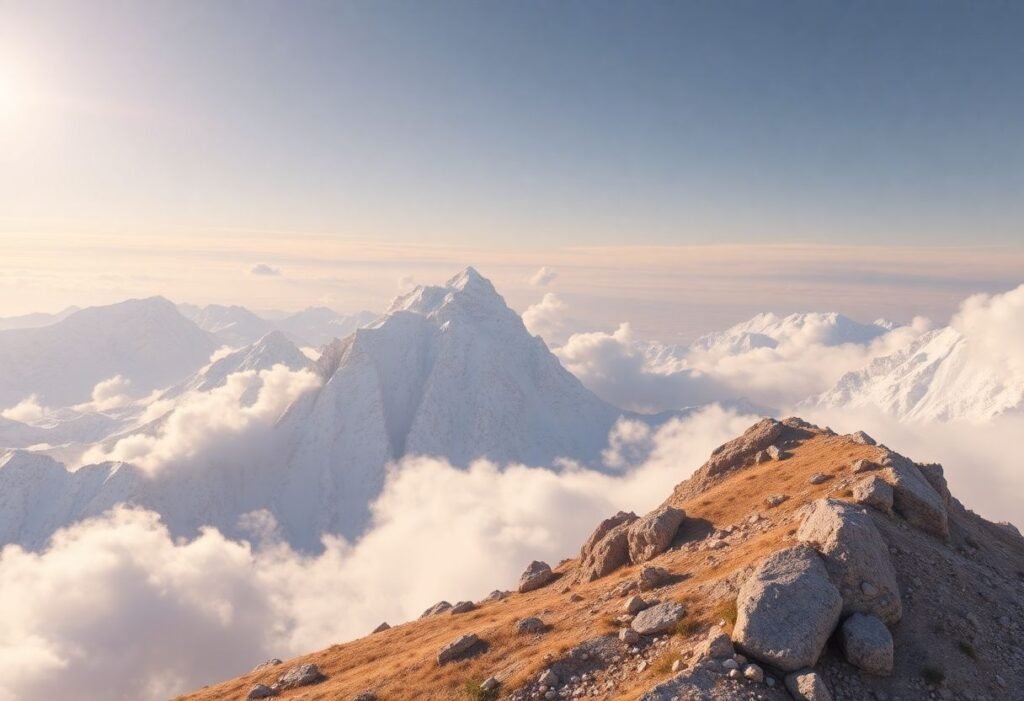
(652, 577)
(677, 665)
(862, 438)
(735, 674)
(490, 684)
(439, 607)
(457, 648)
(382, 627)
(260, 691)
(548, 678)
(303, 675)
(536, 575)
(818, 478)
(629, 636)
(807, 685)
(660, 618)
(753, 673)
(634, 605)
(730, 664)
(530, 626)
(366, 696)
(868, 589)
(462, 607)
(867, 644)
(775, 500)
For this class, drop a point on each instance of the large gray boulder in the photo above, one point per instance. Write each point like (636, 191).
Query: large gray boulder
(439, 607)
(874, 492)
(607, 548)
(260, 691)
(914, 498)
(303, 675)
(867, 644)
(808, 685)
(787, 609)
(652, 535)
(856, 557)
(660, 618)
(537, 574)
(458, 648)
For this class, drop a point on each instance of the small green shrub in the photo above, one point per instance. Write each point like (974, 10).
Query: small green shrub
(933, 674)
(727, 611)
(968, 649)
(478, 693)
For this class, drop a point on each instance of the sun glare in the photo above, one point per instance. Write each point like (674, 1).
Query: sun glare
(13, 93)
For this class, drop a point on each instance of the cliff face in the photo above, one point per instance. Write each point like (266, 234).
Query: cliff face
(796, 564)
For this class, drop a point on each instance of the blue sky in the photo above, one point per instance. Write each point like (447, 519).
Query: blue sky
(661, 155)
(502, 123)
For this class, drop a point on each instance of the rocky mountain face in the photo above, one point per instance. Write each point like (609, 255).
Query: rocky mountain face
(795, 564)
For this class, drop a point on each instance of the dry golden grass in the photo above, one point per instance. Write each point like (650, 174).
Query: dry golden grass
(399, 664)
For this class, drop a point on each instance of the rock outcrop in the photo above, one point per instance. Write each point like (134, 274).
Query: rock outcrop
(461, 647)
(607, 548)
(856, 557)
(867, 644)
(660, 618)
(914, 498)
(787, 610)
(652, 535)
(537, 574)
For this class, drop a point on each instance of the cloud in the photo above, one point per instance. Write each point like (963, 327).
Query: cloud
(994, 328)
(543, 277)
(801, 360)
(219, 424)
(548, 319)
(264, 269)
(27, 411)
(616, 369)
(69, 610)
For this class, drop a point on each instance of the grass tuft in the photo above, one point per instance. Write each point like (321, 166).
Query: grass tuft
(933, 674)
(478, 693)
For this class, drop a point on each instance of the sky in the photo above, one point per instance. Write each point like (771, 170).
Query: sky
(168, 148)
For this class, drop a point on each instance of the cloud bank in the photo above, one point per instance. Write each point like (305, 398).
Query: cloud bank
(89, 617)
(224, 423)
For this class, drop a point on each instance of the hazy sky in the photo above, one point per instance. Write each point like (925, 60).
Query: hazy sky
(212, 131)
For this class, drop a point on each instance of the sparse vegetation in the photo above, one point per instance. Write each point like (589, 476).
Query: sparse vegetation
(687, 627)
(933, 674)
(968, 649)
(727, 611)
(475, 691)
(663, 663)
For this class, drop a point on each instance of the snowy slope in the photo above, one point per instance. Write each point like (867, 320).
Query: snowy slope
(449, 371)
(317, 326)
(237, 326)
(230, 325)
(146, 341)
(935, 378)
(768, 330)
(35, 320)
(270, 350)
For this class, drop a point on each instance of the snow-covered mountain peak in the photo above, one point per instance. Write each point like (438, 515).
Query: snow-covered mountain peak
(468, 293)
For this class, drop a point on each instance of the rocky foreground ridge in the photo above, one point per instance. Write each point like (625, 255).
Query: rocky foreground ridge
(795, 564)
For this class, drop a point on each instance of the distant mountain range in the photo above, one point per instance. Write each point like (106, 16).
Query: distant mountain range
(449, 371)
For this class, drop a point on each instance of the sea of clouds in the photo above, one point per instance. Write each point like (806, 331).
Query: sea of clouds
(116, 608)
